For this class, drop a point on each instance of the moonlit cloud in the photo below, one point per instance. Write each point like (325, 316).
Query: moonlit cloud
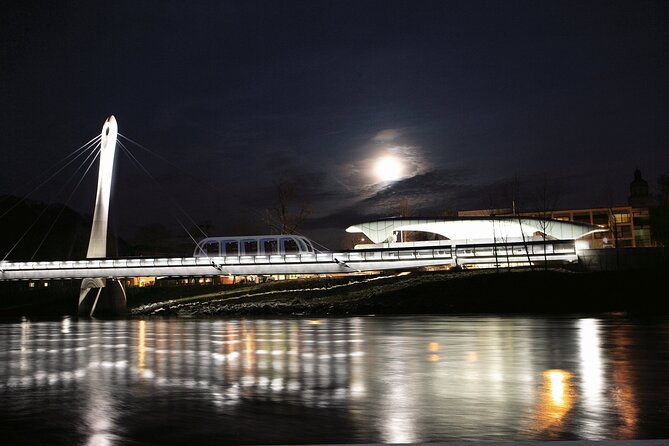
(449, 188)
(413, 159)
(387, 135)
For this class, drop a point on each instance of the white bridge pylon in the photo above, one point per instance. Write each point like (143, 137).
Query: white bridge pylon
(97, 244)
(92, 289)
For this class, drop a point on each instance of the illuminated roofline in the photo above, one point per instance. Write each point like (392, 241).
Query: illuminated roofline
(475, 228)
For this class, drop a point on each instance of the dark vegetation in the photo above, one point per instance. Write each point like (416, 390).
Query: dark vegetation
(32, 230)
(638, 293)
(36, 231)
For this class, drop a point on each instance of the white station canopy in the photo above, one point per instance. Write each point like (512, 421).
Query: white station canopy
(482, 229)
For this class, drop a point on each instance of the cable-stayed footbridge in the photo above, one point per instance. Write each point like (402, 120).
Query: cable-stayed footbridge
(103, 292)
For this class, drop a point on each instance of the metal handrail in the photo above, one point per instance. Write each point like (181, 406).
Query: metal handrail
(554, 249)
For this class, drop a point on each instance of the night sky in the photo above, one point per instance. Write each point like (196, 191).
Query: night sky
(482, 102)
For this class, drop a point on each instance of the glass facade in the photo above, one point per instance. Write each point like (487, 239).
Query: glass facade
(629, 227)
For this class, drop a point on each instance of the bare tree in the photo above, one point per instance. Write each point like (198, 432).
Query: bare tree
(406, 209)
(492, 206)
(613, 224)
(290, 211)
(515, 188)
(547, 198)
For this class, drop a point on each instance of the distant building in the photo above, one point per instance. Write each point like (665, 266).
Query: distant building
(639, 196)
(629, 226)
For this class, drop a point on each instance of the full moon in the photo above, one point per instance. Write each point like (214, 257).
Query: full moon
(388, 168)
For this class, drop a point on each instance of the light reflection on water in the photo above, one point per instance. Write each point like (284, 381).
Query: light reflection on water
(340, 380)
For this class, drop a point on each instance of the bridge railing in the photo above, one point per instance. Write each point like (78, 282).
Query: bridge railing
(463, 254)
(321, 257)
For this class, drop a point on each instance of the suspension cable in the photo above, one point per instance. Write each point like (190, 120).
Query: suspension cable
(139, 163)
(146, 171)
(176, 166)
(81, 150)
(38, 218)
(274, 219)
(81, 179)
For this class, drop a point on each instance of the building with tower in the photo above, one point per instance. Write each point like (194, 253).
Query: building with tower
(629, 226)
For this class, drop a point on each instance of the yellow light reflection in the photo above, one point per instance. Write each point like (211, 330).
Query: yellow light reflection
(433, 347)
(624, 396)
(472, 356)
(141, 346)
(434, 358)
(249, 336)
(555, 401)
(556, 385)
(314, 322)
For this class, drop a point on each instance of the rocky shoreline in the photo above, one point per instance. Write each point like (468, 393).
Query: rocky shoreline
(554, 291)
(638, 293)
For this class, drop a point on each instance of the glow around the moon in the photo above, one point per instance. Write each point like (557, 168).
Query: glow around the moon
(388, 168)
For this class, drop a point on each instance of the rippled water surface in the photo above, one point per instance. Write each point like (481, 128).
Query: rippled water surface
(340, 380)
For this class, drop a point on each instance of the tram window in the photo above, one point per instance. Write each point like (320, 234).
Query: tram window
(270, 246)
(250, 247)
(232, 248)
(212, 248)
(290, 246)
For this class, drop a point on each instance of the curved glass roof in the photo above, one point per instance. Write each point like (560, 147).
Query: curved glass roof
(476, 228)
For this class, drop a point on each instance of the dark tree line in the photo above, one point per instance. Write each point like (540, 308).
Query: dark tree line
(32, 230)
(659, 215)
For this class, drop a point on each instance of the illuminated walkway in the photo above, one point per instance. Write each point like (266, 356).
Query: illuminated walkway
(316, 263)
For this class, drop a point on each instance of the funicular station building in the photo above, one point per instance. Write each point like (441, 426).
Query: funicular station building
(626, 229)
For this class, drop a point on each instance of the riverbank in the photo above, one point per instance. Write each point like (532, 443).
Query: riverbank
(638, 293)
(555, 291)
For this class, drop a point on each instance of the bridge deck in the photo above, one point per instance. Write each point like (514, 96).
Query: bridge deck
(319, 263)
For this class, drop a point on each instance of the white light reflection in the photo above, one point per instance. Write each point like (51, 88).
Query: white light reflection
(592, 378)
(398, 402)
(100, 439)
(320, 365)
(99, 411)
(65, 325)
(25, 346)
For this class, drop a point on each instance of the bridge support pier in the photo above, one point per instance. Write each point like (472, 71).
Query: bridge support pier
(102, 298)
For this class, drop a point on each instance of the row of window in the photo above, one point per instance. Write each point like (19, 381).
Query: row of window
(597, 218)
(264, 245)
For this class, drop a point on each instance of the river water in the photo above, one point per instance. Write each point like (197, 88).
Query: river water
(334, 380)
